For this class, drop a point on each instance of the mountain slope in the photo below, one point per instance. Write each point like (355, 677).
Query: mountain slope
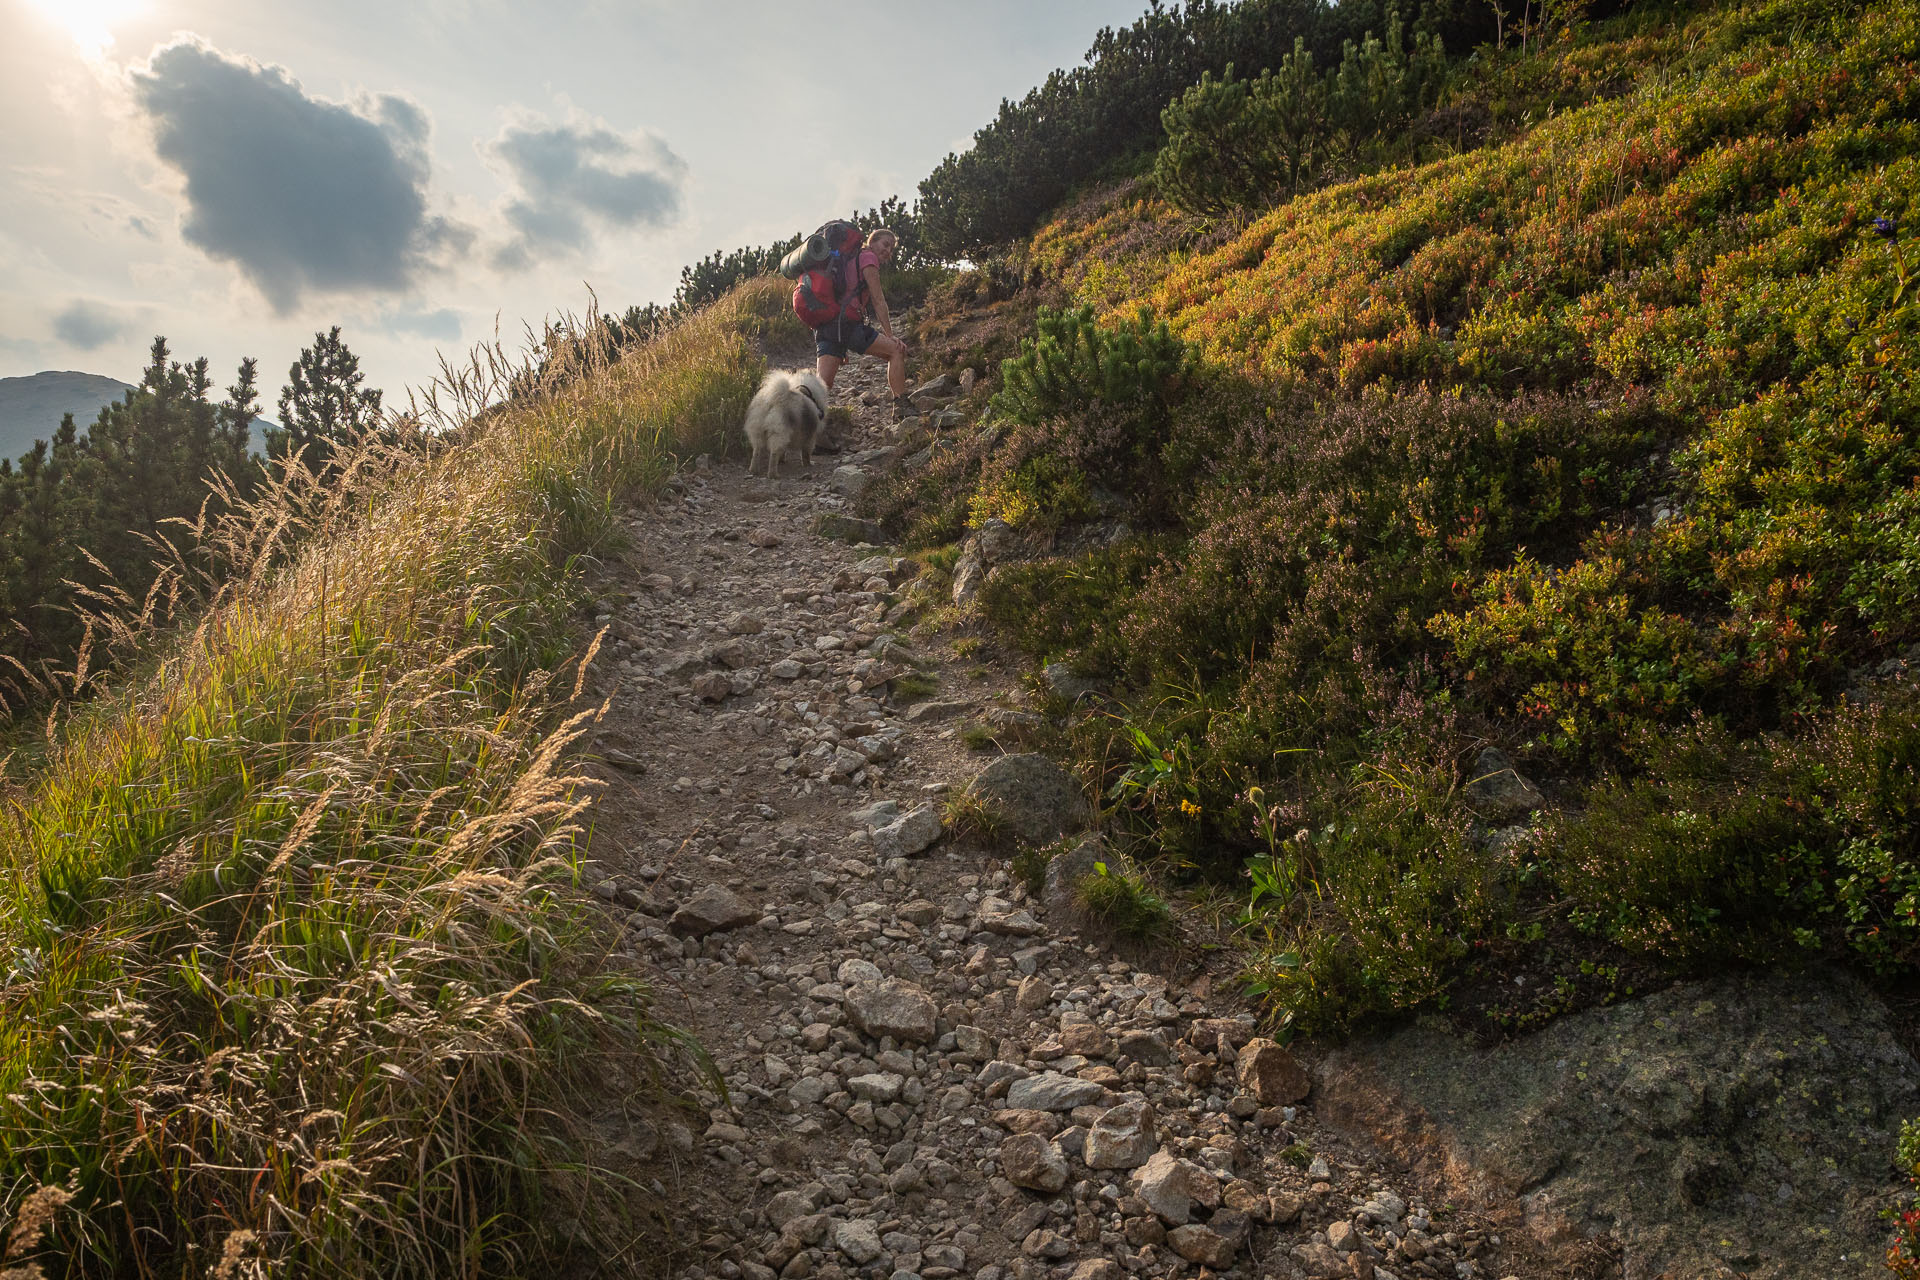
(1593, 445)
(31, 406)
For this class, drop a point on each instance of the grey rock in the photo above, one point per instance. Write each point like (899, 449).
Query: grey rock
(1037, 798)
(937, 710)
(746, 624)
(1035, 992)
(1029, 1160)
(732, 654)
(713, 686)
(997, 1070)
(787, 1206)
(1385, 1208)
(1051, 1091)
(712, 910)
(998, 541)
(877, 814)
(969, 573)
(848, 482)
(1063, 683)
(1149, 1048)
(848, 529)
(858, 1239)
(893, 1007)
(1731, 1086)
(1123, 1138)
(908, 834)
(1203, 1245)
(1269, 1072)
(1498, 792)
(1318, 1261)
(679, 666)
(940, 389)
(1000, 916)
(973, 1042)
(1065, 871)
(1171, 1186)
(879, 1086)
(854, 969)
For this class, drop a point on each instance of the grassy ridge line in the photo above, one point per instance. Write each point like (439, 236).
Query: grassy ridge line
(289, 972)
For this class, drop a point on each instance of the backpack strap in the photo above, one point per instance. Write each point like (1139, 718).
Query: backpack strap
(841, 292)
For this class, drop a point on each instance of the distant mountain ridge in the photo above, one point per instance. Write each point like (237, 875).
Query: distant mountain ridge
(31, 406)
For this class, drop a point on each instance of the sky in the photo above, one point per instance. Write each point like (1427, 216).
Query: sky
(240, 174)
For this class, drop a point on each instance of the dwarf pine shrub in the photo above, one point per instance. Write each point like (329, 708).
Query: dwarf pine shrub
(1074, 361)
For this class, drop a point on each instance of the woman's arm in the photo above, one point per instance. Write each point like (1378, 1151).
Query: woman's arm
(879, 300)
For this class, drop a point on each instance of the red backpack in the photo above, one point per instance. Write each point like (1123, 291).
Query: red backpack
(827, 266)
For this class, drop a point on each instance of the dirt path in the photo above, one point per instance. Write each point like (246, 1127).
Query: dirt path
(904, 1035)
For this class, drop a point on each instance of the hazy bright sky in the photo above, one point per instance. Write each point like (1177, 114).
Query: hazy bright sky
(237, 174)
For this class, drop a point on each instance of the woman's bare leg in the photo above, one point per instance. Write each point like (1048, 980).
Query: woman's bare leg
(894, 352)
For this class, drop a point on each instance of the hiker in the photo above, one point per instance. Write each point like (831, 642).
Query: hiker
(849, 331)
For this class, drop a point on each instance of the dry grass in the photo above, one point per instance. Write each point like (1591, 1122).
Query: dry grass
(294, 979)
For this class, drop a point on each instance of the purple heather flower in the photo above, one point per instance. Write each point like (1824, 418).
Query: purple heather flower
(1885, 229)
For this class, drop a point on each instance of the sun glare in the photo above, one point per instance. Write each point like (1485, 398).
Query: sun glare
(89, 22)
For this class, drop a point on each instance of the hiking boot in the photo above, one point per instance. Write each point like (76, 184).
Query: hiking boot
(902, 410)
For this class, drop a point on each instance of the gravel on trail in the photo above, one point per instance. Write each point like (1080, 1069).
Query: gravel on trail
(928, 1073)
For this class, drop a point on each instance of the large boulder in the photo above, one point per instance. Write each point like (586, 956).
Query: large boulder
(907, 834)
(1270, 1073)
(892, 1007)
(1051, 1091)
(1033, 795)
(1029, 1160)
(969, 573)
(1124, 1138)
(1498, 792)
(712, 910)
(1761, 1109)
(1173, 1187)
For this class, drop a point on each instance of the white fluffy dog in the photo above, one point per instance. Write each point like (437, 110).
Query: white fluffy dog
(788, 409)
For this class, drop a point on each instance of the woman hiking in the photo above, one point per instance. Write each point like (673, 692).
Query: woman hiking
(850, 332)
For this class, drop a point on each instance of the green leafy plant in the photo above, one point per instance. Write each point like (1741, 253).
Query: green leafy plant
(1123, 902)
(1903, 1255)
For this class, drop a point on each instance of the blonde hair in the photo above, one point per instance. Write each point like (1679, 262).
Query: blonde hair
(875, 236)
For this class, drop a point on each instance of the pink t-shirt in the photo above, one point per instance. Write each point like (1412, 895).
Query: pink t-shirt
(856, 305)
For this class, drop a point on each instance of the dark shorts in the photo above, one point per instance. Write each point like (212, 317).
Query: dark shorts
(841, 336)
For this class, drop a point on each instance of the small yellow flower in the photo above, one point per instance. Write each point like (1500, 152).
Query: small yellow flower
(1189, 808)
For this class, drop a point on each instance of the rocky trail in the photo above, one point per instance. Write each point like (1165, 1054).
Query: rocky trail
(929, 1074)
